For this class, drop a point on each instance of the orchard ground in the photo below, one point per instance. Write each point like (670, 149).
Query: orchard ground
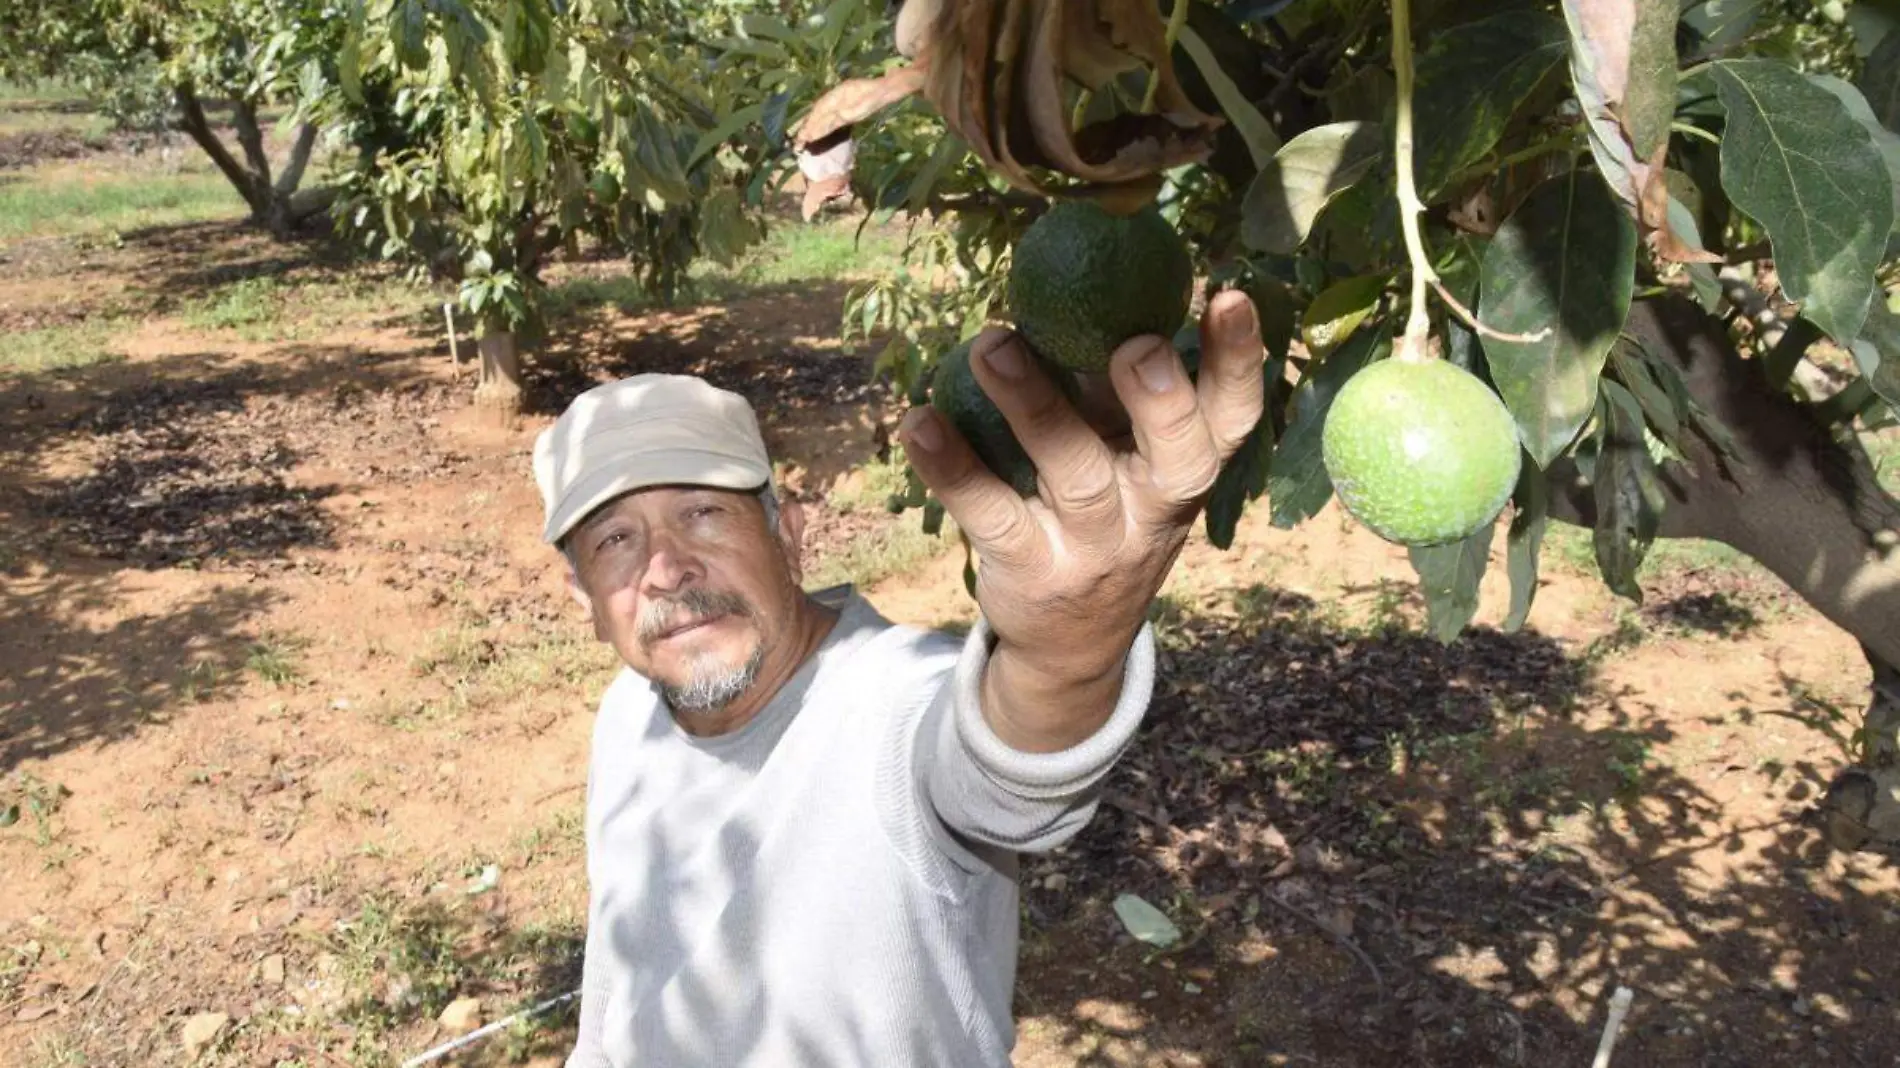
(295, 714)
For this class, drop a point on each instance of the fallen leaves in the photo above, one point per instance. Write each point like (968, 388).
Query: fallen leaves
(1084, 89)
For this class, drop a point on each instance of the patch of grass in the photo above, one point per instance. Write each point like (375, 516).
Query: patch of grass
(199, 681)
(69, 346)
(62, 199)
(565, 836)
(797, 252)
(402, 964)
(872, 558)
(1571, 548)
(791, 253)
(273, 658)
(243, 306)
(480, 669)
(31, 797)
(37, 91)
(868, 486)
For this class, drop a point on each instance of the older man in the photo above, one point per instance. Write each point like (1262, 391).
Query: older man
(803, 821)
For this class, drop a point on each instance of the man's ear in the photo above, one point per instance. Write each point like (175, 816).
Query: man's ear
(791, 536)
(579, 594)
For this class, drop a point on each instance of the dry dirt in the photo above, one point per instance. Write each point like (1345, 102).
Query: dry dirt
(296, 714)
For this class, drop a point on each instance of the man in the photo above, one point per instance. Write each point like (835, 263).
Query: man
(803, 821)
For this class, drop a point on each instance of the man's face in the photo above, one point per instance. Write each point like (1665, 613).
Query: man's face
(691, 587)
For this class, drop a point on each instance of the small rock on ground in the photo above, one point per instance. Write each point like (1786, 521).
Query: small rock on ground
(463, 1014)
(202, 1029)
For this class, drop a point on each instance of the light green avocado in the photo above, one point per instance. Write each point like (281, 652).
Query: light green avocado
(1422, 453)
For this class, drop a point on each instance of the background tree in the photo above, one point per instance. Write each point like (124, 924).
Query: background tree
(492, 133)
(253, 54)
(1662, 234)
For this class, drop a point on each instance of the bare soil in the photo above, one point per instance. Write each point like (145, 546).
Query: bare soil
(296, 716)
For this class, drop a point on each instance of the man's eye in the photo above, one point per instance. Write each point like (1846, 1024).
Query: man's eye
(610, 540)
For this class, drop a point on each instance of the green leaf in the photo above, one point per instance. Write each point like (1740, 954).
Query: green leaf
(718, 135)
(1708, 288)
(1880, 82)
(1261, 141)
(1144, 922)
(1449, 576)
(1799, 164)
(1722, 23)
(1337, 312)
(1305, 175)
(1650, 102)
(411, 34)
(1564, 261)
(1884, 139)
(1298, 484)
(1471, 80)
(1658, 408)
(9, 814)
(1244, 477)
(1623, 64)
(1524, 541)
(349, 66)
(1629, 500)
(1458, 270)
(1877, 351)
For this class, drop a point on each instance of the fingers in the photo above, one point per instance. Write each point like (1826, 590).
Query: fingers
(1178, 451)
(997, 521)
(1231, 380)
(1186, 429)
(1076, 468)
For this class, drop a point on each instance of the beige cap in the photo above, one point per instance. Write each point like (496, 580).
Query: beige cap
(647, 430)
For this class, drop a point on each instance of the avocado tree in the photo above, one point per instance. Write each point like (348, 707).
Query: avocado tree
(490, 134)
(1615, 264)
(252, 54)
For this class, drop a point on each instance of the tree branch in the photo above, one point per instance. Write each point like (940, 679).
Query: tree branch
(1804, 500)
(200, 131)
(244, 116)
(300, 150)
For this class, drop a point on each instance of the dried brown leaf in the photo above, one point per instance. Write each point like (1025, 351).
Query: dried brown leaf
(856, 99)
(997, 71)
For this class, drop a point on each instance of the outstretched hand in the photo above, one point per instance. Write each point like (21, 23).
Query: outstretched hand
(1066, 578)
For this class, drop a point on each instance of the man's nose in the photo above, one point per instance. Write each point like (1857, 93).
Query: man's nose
(670, 565)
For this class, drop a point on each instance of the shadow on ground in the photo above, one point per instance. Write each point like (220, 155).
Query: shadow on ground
(1386, 852)
(125, 471)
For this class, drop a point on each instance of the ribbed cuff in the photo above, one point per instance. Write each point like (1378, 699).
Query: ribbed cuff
(1065, 771)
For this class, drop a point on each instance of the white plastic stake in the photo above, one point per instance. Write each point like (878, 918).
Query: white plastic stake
(452, 1045)
(448, 316)
(1619, 1008)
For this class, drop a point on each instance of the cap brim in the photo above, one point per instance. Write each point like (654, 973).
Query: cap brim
(674, 467)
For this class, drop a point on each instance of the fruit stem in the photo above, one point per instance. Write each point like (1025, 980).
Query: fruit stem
(1412, 345)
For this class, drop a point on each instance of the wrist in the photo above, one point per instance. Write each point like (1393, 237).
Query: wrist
(1036, 706)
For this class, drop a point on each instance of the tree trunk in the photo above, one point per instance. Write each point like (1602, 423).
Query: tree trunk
(1804, 501)
(499, 385)
(1861, 810)
(275, 205)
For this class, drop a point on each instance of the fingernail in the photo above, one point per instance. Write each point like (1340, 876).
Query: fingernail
(1156, 369)
(1240, 315)
(920, 431)
(1005, 358)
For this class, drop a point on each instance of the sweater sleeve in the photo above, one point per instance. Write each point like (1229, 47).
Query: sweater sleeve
(984, 791)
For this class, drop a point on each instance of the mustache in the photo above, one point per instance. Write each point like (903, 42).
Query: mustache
(690, 607)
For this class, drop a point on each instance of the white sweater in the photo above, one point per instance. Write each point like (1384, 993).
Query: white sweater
(834, 884)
